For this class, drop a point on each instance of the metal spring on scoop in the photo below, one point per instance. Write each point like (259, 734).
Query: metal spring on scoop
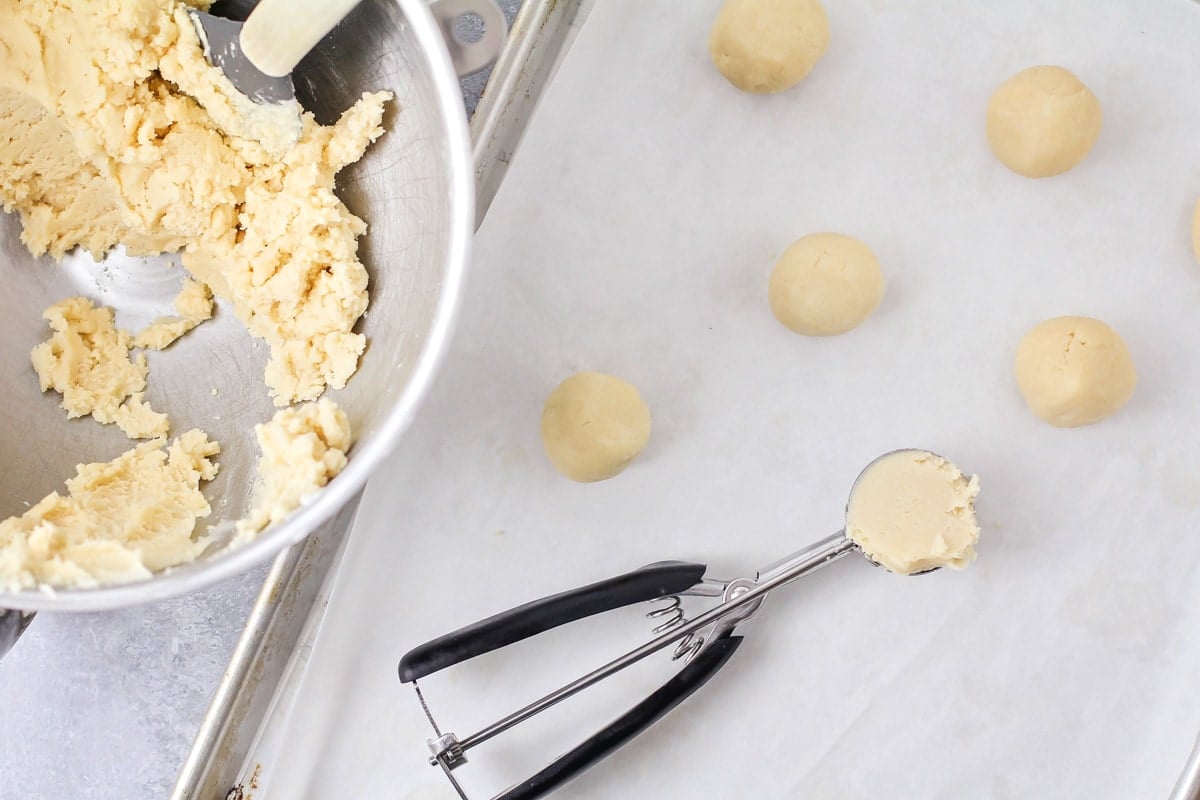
(672, 617)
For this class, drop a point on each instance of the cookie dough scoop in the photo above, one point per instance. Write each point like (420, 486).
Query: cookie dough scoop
(910, 512)
(257, 57)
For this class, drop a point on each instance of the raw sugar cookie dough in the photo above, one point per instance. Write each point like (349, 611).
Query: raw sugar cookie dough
(766, 46)
(593, 425)
(116, 130)
(825, 284)
(1074, 371)
(912, 511)
(193, 305)
(300, 450)
(1042, 121)
(87, 360)
(119, 521)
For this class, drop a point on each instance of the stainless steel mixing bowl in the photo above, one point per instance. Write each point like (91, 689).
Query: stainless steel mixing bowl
(414, 188)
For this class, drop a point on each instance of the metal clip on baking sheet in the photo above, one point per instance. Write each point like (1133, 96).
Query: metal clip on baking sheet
(705, 653)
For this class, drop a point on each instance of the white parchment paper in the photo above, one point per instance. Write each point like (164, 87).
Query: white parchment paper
(634, 235)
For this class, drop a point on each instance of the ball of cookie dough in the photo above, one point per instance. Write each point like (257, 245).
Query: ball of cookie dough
(825, 284)
(1042, 121)
(766, 46)
(593, 425)
(1074, 371)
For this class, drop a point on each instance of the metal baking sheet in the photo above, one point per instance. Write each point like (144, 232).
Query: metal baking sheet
(633, 234)
(270, 660)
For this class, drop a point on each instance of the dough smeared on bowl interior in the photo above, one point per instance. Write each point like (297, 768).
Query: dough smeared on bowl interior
(301, 449)
(193, 305)
(87, 360)
(119, 521)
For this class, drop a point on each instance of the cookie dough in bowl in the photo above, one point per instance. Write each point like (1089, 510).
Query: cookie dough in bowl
(394, 226)
(593, 425)
(766, 46)
(118, 522)
(1043, 121)
(912, 511)
(1074, 371)
(825, 284)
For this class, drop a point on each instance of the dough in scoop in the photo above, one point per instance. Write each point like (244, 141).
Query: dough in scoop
(825, 284)
(1074, 371)
(766, 46)
(911, 511)
(1042, 121)
(593, 425)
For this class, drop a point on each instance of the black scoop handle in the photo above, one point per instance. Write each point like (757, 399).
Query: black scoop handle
(649, 582)
(628, 725)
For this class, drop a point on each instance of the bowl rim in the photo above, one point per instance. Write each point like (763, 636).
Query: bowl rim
(366, 455)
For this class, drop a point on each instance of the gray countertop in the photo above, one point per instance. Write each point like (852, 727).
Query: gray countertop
(105, 705)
